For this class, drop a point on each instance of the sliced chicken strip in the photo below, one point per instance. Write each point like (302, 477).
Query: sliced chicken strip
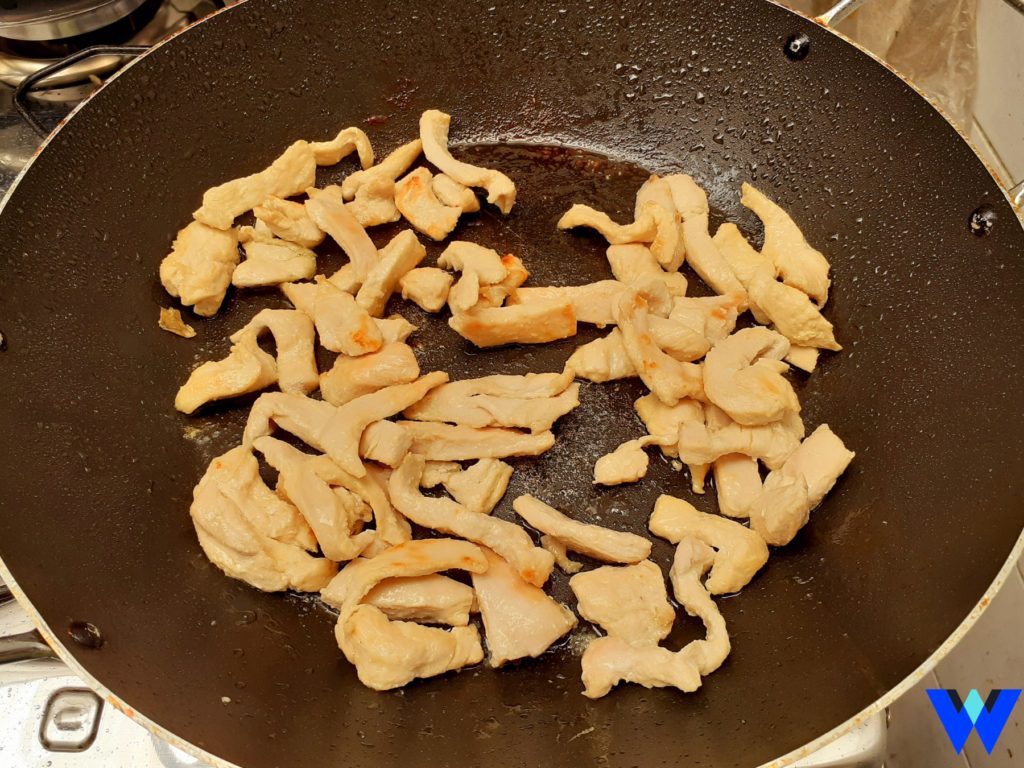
(527, 386)
(772, 443)
(346, 279)
(452, 442)
(464, 256)
(480, 486)
(712, 316)
(290, 174)
(804, 358)
(289, 221)
(433, 598)
(796, 261)
(303, 416)
(677, 339)
(436, 472)
(592, 540)
(426, 286)
(741, 552)
(793, 314)
(629, 602)
(743, 377)
(738, 483)
(643, 230)
(633, 263)
(536, 414)
(668, 246)
(388, 169)
(434, 135)
(199, 267)
(603, 359)
(745, 261)
(334, 218)
(343, 325)
(664, 420)
(442, 514)
(384, 442)
(258, 231)
(374, 203)
(452, 193)
(296, 354)
(516, 272)
(170, 320)
(792, 491)
(465, 294)
(520, 621)
(353, 377)
(559, 551)
(609, 661)
(595, 302)
(247, 368)
(523, 324)
(415, 198)
(347, 141)
(272, 263)
(627, 463)
(692, 560)
(393, 329)
(392, 529)
(401, 254)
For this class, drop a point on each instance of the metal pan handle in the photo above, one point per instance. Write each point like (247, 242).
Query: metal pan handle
(24, 646)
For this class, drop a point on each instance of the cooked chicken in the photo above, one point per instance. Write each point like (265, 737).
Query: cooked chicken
(434, 135)
(347, 141)
(592, 540)
(633, 263)
(426, 286)
(171, 321)
(231, 519)
(334, 218)
(668, 246)
(629, 602)
(353, 377)
(595, 302)
(303, 416)
(436, 472)
(627, 463)
(290, 174)
(603, 359)
(392, 528)
(561, 554)
(272, 263)
(388, 169)
(199, 266)
(343, 325)
(772, 443)
(516, 272)
(464, 256)
(538, 414)
(442, 514)
(527, 386)
(804, 358)
(664, 420)
(452, 193)
(289, 221)
(394, 328)
(465, 294)
(743, 377)
(668, 378)
(799, 264)
(714, 317)
(258, 231)
(434, 599)
(293, 336)
(745, 261)
(793, 314)
(374, 203)
(609, 661)
(738, 483)
(346, 279)
(522, 324)
(401, 254)
(415, 198)
(643, 230)
(740, 551)
(519, 619)
(452, 442)
(793, 490)
(384, 442)
(480, 486)
(328, 514)
(692, 560)
(247, 368)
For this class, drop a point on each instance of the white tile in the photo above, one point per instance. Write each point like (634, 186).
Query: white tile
(916, 737)
(1000, 103)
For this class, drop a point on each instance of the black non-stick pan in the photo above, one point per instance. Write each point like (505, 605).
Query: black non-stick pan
(98, 467)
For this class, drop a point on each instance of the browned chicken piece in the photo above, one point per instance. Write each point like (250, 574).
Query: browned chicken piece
(343, 325)
(289, 221)
(738, 483)
(454, 442)
(346, 279)
(592, 540)
(436, 472)
(247, 368)
(627, 463)
(804, 358)
(480, 486)
(538, 414)
(171, 321)
(290, 174)
(465, 294)
(609, 661)
(293, 336)
(427, 287)
(745, 261)
(516, 272)
(384, 442)
(273, 262)
(391, 527)
(388, 169)
(595, 302)
(374, 203)
(559, 551)
(464, 256)
(629, 602)
(603, 359)
(741, 552)
(198, 269)
(743, 377)
(401, 254)
(249, 533)
(668, 246)
(332, 216)
(793, 314)
(771, 443)
(522, 324)
(347, 141)
(692, 560)
(434, 135)
(714, 317)
(433, 598)
(353, 377)
(633, 263)
(664, 420)
(520, 621)
(798, 486)
(796, 262)
(452, 193)
(258, 231)
(331, 516)
(442, 514)
(643, 230)
(303, 416)
(394, 328)
(415, 198)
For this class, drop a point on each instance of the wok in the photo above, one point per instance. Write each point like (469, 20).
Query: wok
(98, 467)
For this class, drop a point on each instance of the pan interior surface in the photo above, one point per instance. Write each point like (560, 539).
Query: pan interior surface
(100, 468)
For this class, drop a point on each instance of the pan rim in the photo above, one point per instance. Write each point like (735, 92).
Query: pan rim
(789, 758)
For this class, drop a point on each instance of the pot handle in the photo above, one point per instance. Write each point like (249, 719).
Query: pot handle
(24, 646)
